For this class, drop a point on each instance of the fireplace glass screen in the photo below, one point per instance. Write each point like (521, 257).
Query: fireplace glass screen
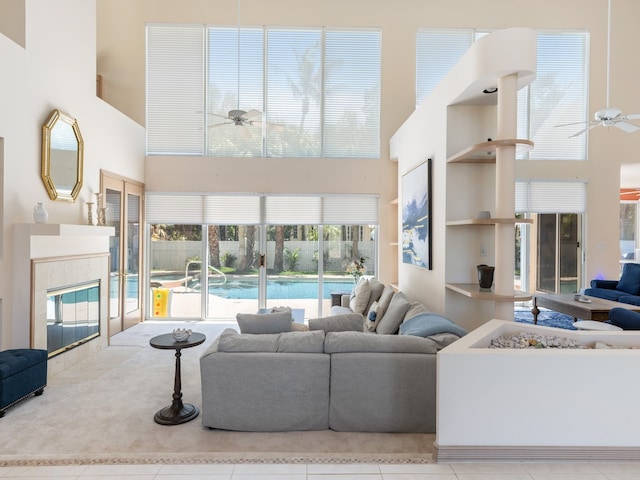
(73, 316)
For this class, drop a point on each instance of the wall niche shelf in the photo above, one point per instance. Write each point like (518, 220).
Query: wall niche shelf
(489, 221)
(485, 152)
(472, 290)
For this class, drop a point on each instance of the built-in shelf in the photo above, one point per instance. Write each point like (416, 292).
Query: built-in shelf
(472, 290)
(489, 221)
(485, 152)
(61, 229)
(394, 244)
(394, 201)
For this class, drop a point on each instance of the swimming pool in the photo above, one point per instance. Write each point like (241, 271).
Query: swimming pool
(280, 288)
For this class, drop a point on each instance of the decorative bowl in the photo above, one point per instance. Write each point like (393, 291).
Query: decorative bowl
(181, 334)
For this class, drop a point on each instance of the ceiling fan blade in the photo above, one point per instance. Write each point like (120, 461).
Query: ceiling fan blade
(246, 133)
(573, 123)
(633, 116)
(251, 114)
(220, 124)
(274, 127)
(218, 115)
(626, 127)
(583, 130)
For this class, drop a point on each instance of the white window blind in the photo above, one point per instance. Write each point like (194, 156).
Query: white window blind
(550, 197)
(558, 94)
(246, 209)
(294, 91)
(296, 210)
(352, 94)
(318, 90)
(437, 51)
(227, 91)
(175, 89)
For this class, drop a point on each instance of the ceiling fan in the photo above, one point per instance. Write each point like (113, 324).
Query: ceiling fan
(238, 117)
(609, 116)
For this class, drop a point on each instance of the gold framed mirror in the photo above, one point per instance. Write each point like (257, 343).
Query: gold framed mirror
(62, 157)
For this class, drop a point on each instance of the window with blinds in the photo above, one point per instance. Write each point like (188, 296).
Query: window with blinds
(318, 89)
(551, 197)
(241, 209)
(558, 95)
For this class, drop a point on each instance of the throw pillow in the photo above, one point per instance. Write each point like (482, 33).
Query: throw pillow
(630, 280)
(415, 309)
(394, 315)
(377, 288)
(427, 324)
(360, 300)
(374, 315)
(385, 298)
(264, 322)
(349, 322)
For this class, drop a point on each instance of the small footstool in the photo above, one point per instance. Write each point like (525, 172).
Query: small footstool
(23, 371)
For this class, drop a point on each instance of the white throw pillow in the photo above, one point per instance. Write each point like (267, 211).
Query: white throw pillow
(360, 301)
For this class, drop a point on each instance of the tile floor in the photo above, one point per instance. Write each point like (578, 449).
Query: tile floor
(459, 471)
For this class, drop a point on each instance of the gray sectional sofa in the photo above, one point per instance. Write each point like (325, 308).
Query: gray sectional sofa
(368, 367)
(344, 381)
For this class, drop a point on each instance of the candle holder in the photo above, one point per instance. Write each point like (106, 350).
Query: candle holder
(102, 216)
(90, 213)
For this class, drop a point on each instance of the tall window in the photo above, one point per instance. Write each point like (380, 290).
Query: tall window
(313, 92)
(558, 95)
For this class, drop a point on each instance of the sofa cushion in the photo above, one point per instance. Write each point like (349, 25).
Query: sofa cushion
(394, 315)
(443, 339)
(377, 288)
(357, 342)
(427, 324)
(630, 280)
(257, 323)
(301, 342)
(373, 317)
(245, 343)
(351, 322)
(416, 308)
(385, 298)
(360, 297)
(605, 293)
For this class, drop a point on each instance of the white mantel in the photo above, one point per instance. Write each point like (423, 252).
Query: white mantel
(47, 241)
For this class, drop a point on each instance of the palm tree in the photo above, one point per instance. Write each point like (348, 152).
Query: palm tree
(213, 234)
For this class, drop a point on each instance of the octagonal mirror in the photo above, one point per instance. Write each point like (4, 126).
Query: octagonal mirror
(62, 157)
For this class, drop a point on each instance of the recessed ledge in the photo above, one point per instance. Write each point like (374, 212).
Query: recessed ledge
(65, 229)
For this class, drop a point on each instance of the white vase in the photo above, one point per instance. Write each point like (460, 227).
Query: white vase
(40, 214)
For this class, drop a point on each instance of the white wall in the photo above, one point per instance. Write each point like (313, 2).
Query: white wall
(121, 62)
(57, 69)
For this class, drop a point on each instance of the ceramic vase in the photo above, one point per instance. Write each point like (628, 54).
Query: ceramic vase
(40, 214)
(485, 276)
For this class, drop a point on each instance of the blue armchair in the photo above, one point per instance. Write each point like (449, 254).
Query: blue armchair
(625, 319)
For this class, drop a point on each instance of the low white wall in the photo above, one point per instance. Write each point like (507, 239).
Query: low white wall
(532, 398)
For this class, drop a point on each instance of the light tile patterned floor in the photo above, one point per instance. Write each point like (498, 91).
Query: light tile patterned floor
(458, 471)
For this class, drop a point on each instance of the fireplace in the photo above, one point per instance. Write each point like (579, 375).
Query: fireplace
(73, 316)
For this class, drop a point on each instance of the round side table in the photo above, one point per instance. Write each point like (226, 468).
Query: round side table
(177, 412)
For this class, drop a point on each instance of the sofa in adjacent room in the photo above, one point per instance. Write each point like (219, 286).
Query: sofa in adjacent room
(625, 290)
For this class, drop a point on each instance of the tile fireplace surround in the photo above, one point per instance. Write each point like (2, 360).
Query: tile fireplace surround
(53, 256)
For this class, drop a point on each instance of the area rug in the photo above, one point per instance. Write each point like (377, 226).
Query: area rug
(101, 411)
(546, 318)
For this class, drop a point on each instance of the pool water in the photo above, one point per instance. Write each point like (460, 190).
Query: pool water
(280, 289)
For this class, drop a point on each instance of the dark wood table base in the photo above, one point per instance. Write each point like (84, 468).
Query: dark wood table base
(177, 412)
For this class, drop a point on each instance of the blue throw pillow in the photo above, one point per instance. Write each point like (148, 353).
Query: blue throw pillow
(630, 280)
(427, 324)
